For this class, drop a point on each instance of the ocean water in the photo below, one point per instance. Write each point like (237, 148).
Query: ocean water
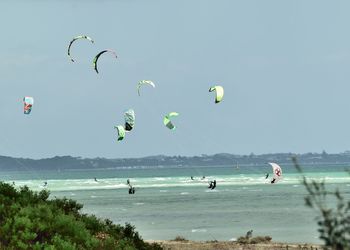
(167, 203)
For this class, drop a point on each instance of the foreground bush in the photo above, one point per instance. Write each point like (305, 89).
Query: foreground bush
(28, 220)
(249, 239)
(334, 220)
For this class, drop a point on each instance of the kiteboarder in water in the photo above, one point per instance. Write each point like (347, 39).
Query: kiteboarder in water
(131, 188)
(212, 184)
(192, 178)
(267, 175)
(95, 179)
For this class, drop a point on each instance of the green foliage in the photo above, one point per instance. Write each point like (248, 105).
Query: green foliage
(249, 239)
(29, 220)
(260, 239)
(334, 222)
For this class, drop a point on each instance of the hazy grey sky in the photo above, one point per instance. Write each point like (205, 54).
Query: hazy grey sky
(284, 66)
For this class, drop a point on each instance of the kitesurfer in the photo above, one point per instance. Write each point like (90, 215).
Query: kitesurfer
(214, 184)
(192, 178)
(131, 190)
(95, 179)
(267, 175)
(45, 183)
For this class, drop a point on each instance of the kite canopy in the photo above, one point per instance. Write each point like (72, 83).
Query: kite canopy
(277, 171)
(129, 117)
(219, 93)
(28, 102)
(167, 121)
(74, 39)
(94, 62)
(121, 132)
(143, 82)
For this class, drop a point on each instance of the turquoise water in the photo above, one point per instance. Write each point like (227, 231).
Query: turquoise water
(168, 203)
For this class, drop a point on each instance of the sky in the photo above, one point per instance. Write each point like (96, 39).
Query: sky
(284, 66)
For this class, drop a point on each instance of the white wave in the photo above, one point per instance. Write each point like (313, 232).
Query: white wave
(164, 183)
(184, 193)
(199, 230)
(139, 203)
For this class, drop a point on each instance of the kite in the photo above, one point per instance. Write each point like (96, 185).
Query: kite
(74, 39)
(94, 62)
(219, 93)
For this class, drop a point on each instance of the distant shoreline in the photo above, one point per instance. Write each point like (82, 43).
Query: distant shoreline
(224, 159)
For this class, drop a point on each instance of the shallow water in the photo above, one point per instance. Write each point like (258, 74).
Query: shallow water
(168, 203)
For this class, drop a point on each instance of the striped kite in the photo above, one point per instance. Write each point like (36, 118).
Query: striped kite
(129, 117)
(28, 102)
(94, 62)
(143, 82)
(76, 38)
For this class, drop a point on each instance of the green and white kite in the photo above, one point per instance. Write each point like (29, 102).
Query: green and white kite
(143, 82)
(129, 117)
(167, 121)
(121, 132)
(219, 93)
(74, 39)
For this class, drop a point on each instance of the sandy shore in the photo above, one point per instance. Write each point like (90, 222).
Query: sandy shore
(227, 245)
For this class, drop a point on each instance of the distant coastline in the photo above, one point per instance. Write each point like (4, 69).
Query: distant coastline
(69, 162)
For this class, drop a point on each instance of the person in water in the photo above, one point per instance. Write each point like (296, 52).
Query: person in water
(192, 178)
(131, 190)
(273, 181)
(128, 182)
(267, 175)
(203, 177)
(214, 184)
(96, 179)
(45, 183)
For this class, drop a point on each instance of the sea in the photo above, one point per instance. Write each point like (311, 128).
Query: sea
(168, 203)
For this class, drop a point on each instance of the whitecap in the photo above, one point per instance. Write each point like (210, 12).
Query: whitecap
(199, 230)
